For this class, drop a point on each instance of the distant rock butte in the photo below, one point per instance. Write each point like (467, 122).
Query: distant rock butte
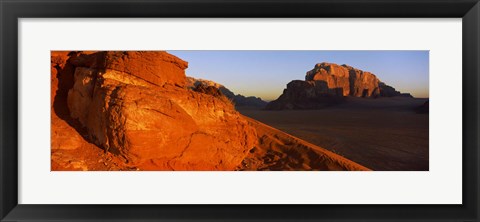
(237, 99)
(329, 83)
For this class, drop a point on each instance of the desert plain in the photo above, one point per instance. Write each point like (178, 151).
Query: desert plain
(381, 134)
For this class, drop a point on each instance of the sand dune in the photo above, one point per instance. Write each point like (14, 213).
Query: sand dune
(277, 150)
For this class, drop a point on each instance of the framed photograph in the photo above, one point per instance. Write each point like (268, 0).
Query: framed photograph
(225, 110)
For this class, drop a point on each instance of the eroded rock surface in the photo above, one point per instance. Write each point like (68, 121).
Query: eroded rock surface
(136, 105)
(237, 99)
(327, 84)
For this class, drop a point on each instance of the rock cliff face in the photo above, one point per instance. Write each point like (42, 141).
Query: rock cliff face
(137, 105)
(237, 99)
(63, 135)
(329, 83)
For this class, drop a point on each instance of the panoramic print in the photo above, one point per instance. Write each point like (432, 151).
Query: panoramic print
(239, 110)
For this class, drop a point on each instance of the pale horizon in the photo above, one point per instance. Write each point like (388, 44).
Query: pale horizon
(266, 73)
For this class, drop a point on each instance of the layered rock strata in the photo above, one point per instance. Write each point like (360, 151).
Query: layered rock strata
(327, 84)
(136, 105)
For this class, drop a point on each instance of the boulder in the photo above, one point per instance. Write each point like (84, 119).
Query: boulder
(135, 105)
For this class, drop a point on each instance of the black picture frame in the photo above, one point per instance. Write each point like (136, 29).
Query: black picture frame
(11, 11)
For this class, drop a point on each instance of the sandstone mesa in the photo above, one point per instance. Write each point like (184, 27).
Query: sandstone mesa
(327, 84)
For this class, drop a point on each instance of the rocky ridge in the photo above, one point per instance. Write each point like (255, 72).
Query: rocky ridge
(237, 99)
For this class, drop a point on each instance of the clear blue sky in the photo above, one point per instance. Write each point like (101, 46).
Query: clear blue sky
(266, 73)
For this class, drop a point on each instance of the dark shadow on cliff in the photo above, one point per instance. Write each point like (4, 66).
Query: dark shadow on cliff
(65, 77)
(307, 95)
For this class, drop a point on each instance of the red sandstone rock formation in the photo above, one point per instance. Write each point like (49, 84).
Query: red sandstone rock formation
(351, 81)
(63, 136)
(329, 83)
(136, 105)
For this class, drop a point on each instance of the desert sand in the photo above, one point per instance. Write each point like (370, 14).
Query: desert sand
(277, 150)
(381, 134)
